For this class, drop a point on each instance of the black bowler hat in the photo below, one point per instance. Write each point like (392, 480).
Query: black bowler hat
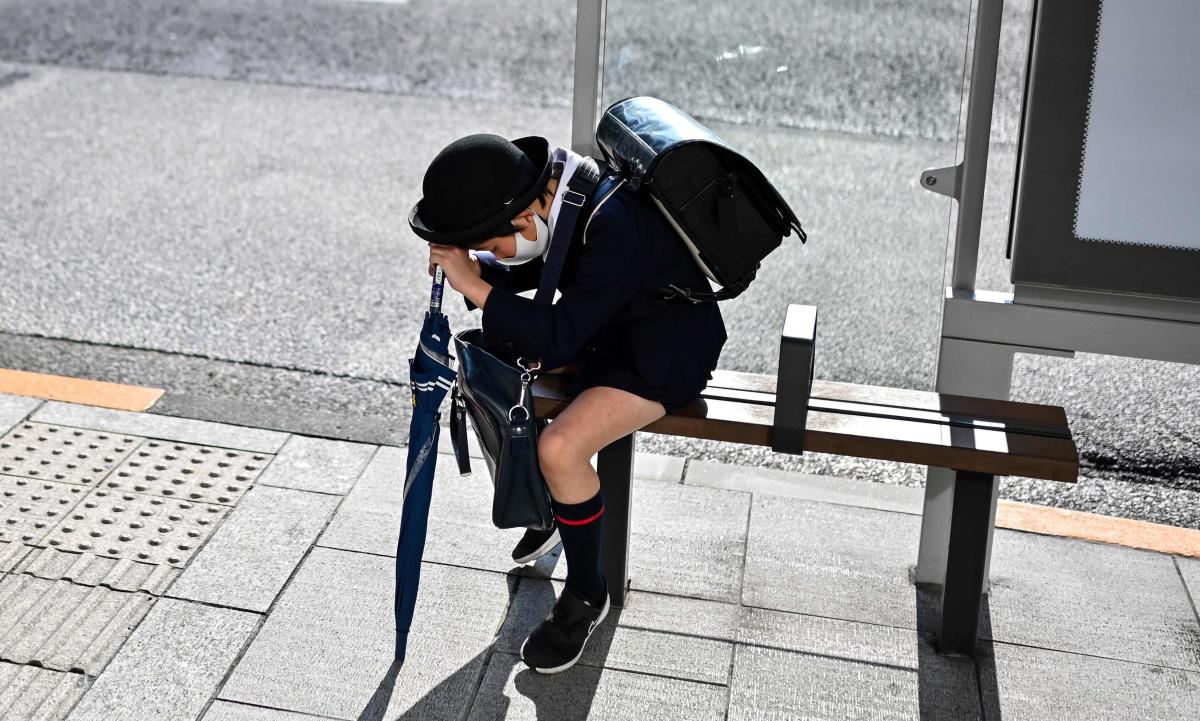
(477, 183)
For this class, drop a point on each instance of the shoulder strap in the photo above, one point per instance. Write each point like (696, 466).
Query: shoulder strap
(579, 189)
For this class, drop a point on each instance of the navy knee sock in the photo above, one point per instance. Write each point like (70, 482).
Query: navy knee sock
(579, 526)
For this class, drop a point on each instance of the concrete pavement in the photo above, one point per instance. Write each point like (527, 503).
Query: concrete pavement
(754, 596)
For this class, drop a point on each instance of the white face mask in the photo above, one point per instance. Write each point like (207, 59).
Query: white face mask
(527, 250)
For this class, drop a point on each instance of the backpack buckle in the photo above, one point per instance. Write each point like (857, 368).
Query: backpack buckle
(574, 197)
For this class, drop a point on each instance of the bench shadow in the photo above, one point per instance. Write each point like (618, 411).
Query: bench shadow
(556, 697)
(952, 688)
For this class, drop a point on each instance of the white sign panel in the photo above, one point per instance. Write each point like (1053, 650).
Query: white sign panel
(1140, 181)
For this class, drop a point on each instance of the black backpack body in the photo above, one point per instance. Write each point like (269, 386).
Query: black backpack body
(721, 206)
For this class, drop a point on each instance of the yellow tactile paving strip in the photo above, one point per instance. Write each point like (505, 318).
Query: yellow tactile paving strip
(1093, 527)
(78, 390)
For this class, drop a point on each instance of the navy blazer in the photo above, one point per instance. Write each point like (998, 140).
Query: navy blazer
(608, 303)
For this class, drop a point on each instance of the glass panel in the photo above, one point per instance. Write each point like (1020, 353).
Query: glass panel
(841, 104)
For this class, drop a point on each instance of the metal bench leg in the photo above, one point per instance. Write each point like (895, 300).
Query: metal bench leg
(965, 368)
(966, 562)
(614, 464)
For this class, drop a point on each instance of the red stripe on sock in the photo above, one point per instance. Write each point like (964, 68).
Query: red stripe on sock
(584, 522)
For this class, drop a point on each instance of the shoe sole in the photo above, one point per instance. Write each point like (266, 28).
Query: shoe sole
(542, 550)
(582, 648)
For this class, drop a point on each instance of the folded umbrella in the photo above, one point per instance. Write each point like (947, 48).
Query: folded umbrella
(430, 377)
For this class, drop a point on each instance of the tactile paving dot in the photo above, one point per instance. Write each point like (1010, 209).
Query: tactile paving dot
(138, 527)
(188, 472)
(62, 453)
(29, 508)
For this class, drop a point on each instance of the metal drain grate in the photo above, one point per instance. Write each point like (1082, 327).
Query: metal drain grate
(138, 527)
(61, 453)
(186, 471)
(30, 508)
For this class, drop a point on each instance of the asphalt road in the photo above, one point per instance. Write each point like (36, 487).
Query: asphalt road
(210, 197)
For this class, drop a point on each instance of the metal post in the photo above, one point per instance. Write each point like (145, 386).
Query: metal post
(966, 568)
(966, 368)
(589, 74)
(965, 181)
(975, 142)
(614, 465)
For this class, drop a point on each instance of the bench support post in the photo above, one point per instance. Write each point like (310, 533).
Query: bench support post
(966, 562)
(965, 368)
(614, 465)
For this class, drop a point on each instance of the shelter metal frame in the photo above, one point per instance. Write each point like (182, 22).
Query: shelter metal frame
(981, 330)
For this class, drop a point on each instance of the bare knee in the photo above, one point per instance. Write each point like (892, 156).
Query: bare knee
(557, 452)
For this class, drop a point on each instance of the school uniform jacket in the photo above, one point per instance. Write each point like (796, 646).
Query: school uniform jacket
(608, 312)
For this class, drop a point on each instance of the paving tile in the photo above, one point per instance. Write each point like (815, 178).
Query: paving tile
(88, 569)
(29, 508)
(829, 489)
(316, 464)
(64, 626)
(707, 566)
(666, 635)
(1091, 598)
(61, 453)
(772, 683)
(658, 467)
(513, 692)
(460, 522)
(171, 666)
(834, 561)
(369, 518)
(327, 647)
(249, 559)
(687, 541)
(226, 711)
(11, 555)
(862, 642)
(29, 693)
(1033, 684)
(188, 471)
(789, 665)
(1189, 570)
(14, 409)
(461, 530)
(152, 425)
(149, 529)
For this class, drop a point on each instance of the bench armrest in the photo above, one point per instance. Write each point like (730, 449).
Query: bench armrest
(797, 346)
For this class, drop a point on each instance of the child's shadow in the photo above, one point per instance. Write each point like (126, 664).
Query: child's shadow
(556, 697)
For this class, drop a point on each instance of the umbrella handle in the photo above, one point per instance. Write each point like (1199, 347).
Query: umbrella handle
(435, 296)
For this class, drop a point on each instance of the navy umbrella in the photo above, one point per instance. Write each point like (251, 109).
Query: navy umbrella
(430, 377)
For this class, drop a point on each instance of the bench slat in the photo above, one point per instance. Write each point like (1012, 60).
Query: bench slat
(985, 408)
(885, 411)
(885, 438)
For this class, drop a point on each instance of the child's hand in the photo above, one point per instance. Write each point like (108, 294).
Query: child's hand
(456, 263)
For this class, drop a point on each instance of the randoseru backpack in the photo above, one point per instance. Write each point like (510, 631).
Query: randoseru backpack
(721, 205)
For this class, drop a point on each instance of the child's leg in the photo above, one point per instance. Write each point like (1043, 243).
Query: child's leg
(596, 417)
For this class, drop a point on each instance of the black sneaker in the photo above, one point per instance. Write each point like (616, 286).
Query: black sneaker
(535, 544)
(559, 641)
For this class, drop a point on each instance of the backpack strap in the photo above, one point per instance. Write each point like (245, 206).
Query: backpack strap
(579, 189)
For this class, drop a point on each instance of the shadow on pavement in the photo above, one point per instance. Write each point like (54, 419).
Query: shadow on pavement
(951, 688)
(563, 696)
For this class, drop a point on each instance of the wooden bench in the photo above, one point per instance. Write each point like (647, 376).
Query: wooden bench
(978, 438)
